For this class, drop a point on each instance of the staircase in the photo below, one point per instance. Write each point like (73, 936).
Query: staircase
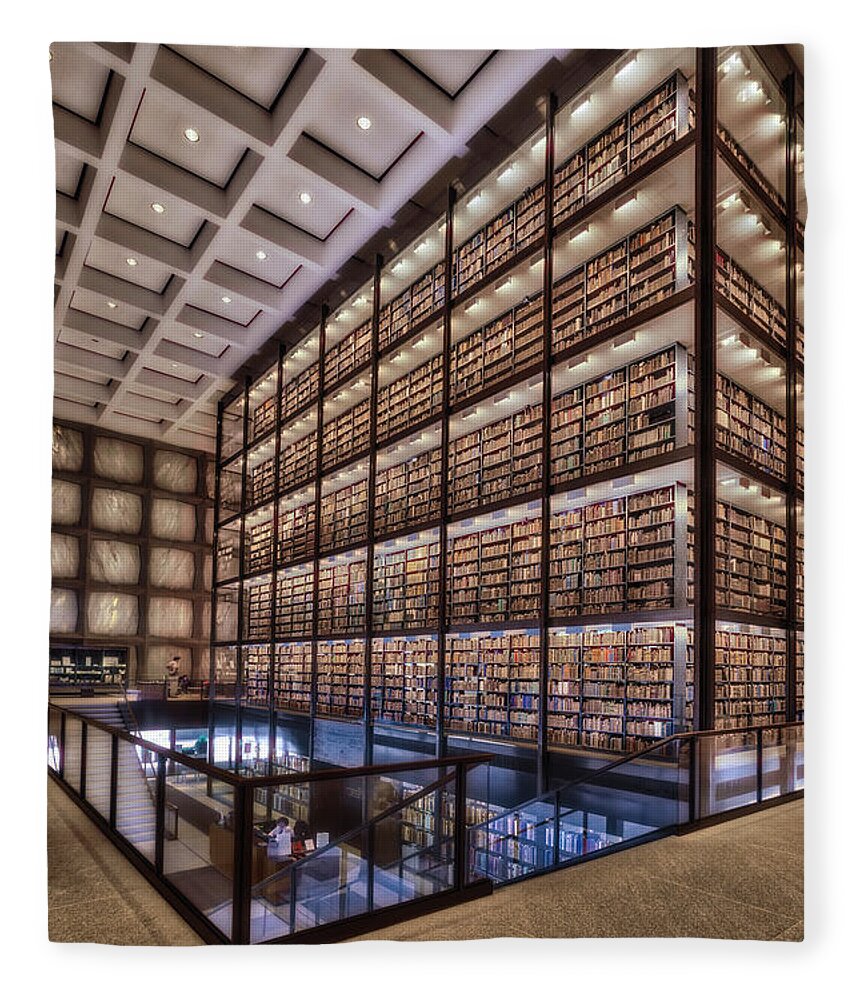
(135, 803)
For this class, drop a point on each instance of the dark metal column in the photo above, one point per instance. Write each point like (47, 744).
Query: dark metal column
(243, 803)
(542, 776)
(240, 659)
(705, 344)
(270, 701)
(159, 814)
(441, 745)
(213, 615)
(791, 500)
(371, 517)
(315, 620)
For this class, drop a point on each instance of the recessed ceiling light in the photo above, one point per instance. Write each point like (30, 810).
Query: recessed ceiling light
(226, 298)
(157, 207)
(306, 197)
(111, 305)
(192, 135)
(199, 336)
(131, 261)
(174, 365)
(363, 122)
(261, 255)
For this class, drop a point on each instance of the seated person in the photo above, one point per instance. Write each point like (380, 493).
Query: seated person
(301, 834)
(281, 840)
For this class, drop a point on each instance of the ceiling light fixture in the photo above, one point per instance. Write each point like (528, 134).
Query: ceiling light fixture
(261, 255)
(131, 261)
(192, 135)
(111, 305)
(422, 246)
(507, 172)
(360, 301)
(583, 104)
(157, 207)
(472, 305)
(626, 63)
(626, 199)
(199, 336)
(363, 122)
(581, 231)
(305, 197)
(226, 299)
(476, 197)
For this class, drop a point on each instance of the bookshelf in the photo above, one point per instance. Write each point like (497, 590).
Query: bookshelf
(750, 428)
(500, 460)
(340, 678)
(293, 663)
(799, 647)
(340, 594)
(406, 583)
(404, 679)
(464, 368)
(408, 493)
(343, 516)
(510, 344)
(412, 399)
(257, 661)
(750, 676)
(492, 683)
(494, 574)
(636, 273)
(626, 415)
(626, 554)
(751, 561)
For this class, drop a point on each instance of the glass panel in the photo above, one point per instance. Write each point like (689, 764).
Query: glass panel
(412, 287)
(65, 556)
(72, 753)
(112, 614)
(118, 460)
(174, 520)
(65, 502)
(232, 429)
(227, 565)
(67, 449)
(172, 569)
(64, 610)
(170, 617)
(782, 761)
(171, 470)
(114, 562)
(263, 405)
(54, 723)
(227, 613)
(225, 672)
(199, 840)
(135, 799)
(115, 511)
(98, 770)
(727, 772)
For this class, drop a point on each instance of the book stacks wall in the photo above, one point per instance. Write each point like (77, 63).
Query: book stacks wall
(465, 501)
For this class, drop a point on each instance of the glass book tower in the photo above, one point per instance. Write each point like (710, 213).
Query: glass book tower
(538, 482)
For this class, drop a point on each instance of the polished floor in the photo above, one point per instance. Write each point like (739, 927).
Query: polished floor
(738, 880)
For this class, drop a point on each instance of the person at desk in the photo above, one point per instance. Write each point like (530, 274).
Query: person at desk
(281, 840)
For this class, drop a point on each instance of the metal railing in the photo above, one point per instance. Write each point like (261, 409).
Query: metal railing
(200, 843)
(671, 786)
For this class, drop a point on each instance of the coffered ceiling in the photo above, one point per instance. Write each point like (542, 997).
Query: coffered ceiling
(206, 193)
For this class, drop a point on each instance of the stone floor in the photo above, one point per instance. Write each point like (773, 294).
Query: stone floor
(740, 880)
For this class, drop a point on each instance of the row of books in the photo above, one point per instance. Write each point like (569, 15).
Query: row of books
(751, 561)
(750, 428)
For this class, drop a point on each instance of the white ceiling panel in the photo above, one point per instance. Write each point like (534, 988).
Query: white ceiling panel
(132, 199)
(160, 127)
(241, 250)
(207, 344)
(96, 345)
(77, 81)
(113, 259)
(98, 305)
(69, 170)
(258, 73)
(450, 68)
(211, 299)
(283, 188)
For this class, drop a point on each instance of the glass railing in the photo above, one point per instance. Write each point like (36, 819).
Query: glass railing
(678, 782)
(364, 839)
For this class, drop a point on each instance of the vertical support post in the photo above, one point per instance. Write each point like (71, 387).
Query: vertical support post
(791, 500)
(542, 775)
(705, 344)
(315, 621)
(276, 527)
(61, 769)
(371, 861)
(460, 844)
(82, 777)
(371, 516)
(240, 659)
(160, 795)
(556, 831)
(243, 801)
(693, 782)
(213, 615)
(114, 779)
(441, 743)
(759, 763)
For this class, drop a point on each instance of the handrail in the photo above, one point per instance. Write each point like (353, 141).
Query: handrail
(349, 835)
(626, 760)
(298, 777)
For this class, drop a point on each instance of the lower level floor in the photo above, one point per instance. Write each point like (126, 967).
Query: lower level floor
(737, 880)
